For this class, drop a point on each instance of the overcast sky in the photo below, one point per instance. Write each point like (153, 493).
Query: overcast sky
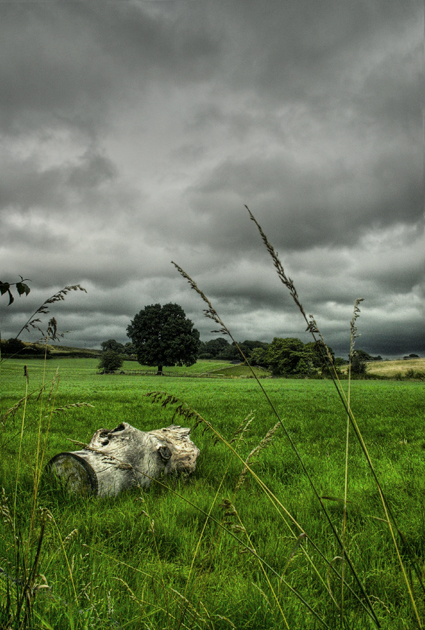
(133, 133)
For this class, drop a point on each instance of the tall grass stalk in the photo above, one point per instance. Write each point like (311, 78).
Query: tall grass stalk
(27, 547)
(353, 336)
(62, 547)
(313, 329)
(37, 463)
(21, 437)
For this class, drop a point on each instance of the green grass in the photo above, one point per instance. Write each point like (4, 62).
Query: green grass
(125, 576)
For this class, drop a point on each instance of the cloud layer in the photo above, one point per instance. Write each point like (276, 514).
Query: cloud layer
(134, 133)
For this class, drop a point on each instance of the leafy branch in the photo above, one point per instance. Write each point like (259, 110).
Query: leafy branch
(21, 287)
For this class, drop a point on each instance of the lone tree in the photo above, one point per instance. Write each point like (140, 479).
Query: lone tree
(163, 336)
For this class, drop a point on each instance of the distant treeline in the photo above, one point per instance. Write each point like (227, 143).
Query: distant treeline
(283, 355)
(17, 348)
(221, 349)
(11, 347)
(128, 350)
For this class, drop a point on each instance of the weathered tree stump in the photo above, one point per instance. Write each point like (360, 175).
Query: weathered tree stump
(124, 457)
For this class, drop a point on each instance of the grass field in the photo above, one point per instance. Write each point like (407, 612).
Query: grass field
(402, 367)
(107, 566)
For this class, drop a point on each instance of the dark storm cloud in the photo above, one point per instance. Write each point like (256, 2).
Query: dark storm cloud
(133, 133)
(63, 63)
(23, 184)
(327, 205)
(71, 59)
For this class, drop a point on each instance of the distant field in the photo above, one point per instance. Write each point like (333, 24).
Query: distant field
(390, 368)
(122, 569)
(71, 365)
(409, 368)
(60, 349)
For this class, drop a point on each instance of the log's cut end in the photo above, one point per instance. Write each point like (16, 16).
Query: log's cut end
(74, 473)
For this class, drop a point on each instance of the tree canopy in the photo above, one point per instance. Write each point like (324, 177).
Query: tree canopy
(124, 349)
(259, 357)
(113, 345)
(289, 356)
(221, 349)
(212, 349)
(164, 336)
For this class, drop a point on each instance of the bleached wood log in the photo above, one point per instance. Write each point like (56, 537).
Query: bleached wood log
(124, 457)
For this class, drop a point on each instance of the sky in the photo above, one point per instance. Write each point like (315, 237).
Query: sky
(134, 133)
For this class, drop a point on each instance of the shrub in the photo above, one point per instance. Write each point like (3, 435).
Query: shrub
(110, 361)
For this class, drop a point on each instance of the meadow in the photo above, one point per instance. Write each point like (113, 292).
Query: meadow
(410, 368)
(203, 552)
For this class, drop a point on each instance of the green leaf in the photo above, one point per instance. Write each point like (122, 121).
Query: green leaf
(22, 288)
(4, 286)
(11, 298)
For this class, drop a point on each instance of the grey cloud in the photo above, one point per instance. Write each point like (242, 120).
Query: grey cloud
(26, 184)
(307, 209)
(134, 133)
(52, 72)
(68, 63)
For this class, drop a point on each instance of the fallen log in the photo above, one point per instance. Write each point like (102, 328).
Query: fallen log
(124, 457)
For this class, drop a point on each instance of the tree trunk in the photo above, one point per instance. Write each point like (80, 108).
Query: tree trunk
(125, 457)
(159, 372)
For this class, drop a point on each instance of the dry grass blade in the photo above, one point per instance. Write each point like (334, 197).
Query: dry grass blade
(66, 408)
(328, 580)
(181, 410)
(312, 327)
(353, 328)
(297, 545)
(267, 439)
(278, 266)
(243, 428)
(210, 312)
(33, 321)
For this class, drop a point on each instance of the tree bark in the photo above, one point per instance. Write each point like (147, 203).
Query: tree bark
(124, 457)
